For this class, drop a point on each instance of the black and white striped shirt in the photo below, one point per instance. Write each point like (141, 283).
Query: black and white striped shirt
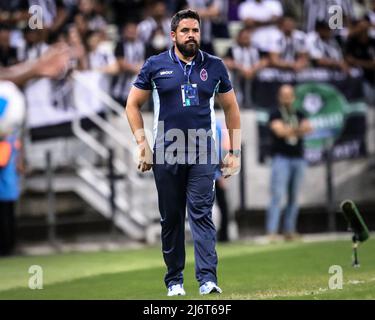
(245, 56)
(133, 53)
(288, 47)
(101, 57)
(147, 27)
(319, 48)
(31, 51)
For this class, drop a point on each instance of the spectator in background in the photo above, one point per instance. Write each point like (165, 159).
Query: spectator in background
(210, 11)
(89, 11)
(360, 52)
(100, 56)
(288, 128)
(78, 51)
(157, 44)
(324, 50)
(33, 46)
(55, 16)
(130, 55)
(262, 16)
(81, 24)
(294, 9)
(158, 19)
(8, 54)
(62, 88)
(288, 49)
(244, 61)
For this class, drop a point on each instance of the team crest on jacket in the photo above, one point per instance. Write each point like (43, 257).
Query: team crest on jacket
(204, 75)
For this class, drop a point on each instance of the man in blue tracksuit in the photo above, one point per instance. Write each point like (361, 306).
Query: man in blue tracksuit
(184, 81)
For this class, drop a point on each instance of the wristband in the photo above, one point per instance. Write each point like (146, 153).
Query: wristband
(236, 152)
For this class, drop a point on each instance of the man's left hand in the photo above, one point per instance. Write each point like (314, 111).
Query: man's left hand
(231, 165)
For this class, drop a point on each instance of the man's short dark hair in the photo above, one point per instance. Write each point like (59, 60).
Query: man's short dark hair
(184, 14)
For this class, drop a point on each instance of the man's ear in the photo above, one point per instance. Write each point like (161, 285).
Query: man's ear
(173, 35)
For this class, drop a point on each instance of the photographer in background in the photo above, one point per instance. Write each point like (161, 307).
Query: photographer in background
(288, 128)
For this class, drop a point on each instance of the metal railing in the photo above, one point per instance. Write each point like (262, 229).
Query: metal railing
(119, 166)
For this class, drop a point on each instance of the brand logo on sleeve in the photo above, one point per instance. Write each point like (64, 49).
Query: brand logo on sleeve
(204, 75)
(166, 72)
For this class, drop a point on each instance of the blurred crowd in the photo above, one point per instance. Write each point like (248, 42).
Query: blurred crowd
(116, 36)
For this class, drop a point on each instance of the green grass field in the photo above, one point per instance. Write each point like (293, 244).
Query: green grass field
(246, 271)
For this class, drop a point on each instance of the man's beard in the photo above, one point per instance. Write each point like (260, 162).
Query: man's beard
(188, 49)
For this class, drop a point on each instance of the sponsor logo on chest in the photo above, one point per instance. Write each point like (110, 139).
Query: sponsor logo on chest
(166, 72)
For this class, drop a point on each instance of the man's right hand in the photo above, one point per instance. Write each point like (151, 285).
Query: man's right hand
(145, 157)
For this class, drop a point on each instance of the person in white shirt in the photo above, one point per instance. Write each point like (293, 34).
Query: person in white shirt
(288, 48)
(100, 56)
(262, 15)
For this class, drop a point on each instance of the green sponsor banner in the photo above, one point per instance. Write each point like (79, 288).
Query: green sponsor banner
(326, 110)
(335, 121)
